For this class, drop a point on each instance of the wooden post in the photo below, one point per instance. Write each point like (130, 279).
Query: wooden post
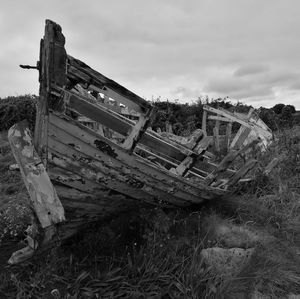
(44, 198)
(52, 72)
(204, 116)
(242, 172)
(225, 163)
(138, 130)
(228, 135)
(216, 136)
(199, 149)
(240, 137)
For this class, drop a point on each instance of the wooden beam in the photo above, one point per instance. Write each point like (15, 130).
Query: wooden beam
(87, 136)
(228, 135)
(227, 114)
(110, 94)
(52, 68)
(220, 118)
(190, 160)
(272, 164)
(242, 172)
(216, 136)
(204, 118)
(97, 79)
(108, 176)
(138, 130)
(225, 163)
(240, 137)
(45, 201)
(123, 125)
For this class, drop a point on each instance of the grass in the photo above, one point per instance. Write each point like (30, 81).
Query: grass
(157, 254)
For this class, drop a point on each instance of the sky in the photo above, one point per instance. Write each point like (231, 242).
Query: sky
(246, 50)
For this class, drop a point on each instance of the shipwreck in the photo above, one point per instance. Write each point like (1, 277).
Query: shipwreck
(93, 153)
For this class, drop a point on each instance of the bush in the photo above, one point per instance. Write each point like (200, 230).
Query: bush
(15, 109)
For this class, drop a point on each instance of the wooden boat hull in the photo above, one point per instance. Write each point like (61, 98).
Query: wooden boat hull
(76, 175)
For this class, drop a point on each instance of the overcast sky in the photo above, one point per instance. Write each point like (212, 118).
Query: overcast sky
(248, 50)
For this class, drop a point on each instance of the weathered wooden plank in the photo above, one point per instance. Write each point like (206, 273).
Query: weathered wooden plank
(272, 164)
(240, 137)
(108, 177)
(242, 172)
(122, 125)
(204, 119)
(250, 112)
(75, 195)
(52, 67)
(184, 166)
(227, 114)
(203, 145)
(110, 94)
(41, 123)
(200, 148)
(219, 118)
(216, 136)
(226, 162)
(45, 201)
(134, 161)
(97, 79)
(138, 130)
(228, 135)
(61, 175)
(161, 190)
(108, 155)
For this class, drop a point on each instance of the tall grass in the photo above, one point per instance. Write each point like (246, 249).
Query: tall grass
(157, 254)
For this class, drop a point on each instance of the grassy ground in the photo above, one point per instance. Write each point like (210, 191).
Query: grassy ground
(157, 254)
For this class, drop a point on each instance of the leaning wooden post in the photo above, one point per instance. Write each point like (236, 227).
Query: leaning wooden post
(43, 196)
(138, 130)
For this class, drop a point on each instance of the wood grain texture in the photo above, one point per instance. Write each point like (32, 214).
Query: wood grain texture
(45, 201)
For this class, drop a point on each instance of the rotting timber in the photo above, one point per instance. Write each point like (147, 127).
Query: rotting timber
(93, 153)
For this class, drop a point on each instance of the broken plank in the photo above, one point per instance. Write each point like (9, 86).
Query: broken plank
(190, 160)
(227, 114)
(216, 136)
(106, 176)
(52, 66)
(242, 172)
(226, 162)
(228, 135)
(133, 161)
(132, 170)
(45, 201)
(122, 125)
(99, 80)
(272, 164)
(240, 137)
(219, 118)
(204, 119)
(110, 94)
(138, 130)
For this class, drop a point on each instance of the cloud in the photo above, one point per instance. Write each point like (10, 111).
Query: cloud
(237, 88)
(186, 93)
(171, 48)
(250, 70)
(295, 86)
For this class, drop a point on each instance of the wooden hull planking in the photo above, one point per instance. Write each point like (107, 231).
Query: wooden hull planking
(93, 174)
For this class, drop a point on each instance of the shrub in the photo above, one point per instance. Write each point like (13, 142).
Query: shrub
(15, 109)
